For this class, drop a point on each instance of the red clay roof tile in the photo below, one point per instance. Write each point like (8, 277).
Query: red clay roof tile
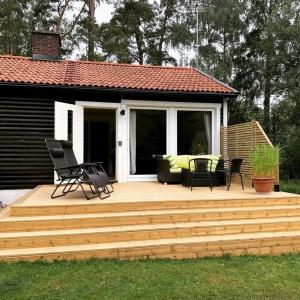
(16, 69)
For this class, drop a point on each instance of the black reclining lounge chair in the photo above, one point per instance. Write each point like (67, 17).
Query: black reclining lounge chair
(75, 175)
(96, 166)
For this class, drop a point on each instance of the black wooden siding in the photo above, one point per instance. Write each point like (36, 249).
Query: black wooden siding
(27, 118)
(24, 125)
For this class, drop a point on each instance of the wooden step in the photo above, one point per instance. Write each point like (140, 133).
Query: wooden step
(144, 217)
(99, 207)
(13, 240)
(271, 243)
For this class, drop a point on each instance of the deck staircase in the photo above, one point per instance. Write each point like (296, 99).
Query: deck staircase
(166, 229)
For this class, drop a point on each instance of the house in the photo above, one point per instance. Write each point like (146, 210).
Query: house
(120, 114)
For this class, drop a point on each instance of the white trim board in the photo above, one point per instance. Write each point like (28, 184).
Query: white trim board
(169, 104)
(122, 128)
(103, 105)
(116, 107)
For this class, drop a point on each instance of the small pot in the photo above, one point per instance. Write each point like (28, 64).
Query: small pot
(263, 185)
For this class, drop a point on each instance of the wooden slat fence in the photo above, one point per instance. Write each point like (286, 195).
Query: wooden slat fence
(237, 142)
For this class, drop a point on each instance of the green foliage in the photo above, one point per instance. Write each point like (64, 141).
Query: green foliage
(125, 37)
(221, 28)
(263, 54)
(13, 27)
(241, 111)
(290, 186)
(264, 160)
(141, 32)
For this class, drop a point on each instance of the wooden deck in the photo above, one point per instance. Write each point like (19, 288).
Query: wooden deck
(149, 219)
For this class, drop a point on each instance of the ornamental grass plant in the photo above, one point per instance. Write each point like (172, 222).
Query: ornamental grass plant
(265, 160)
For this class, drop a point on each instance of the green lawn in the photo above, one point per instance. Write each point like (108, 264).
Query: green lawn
(291, 186)
(245, 277)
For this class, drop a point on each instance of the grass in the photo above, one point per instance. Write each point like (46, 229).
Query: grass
(291, 186)
(247, 277)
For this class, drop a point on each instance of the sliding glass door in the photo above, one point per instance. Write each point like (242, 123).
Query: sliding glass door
(172, 130)
(147, 136)
(194, 132)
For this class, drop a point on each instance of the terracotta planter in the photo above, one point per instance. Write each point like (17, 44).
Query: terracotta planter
(263, 185)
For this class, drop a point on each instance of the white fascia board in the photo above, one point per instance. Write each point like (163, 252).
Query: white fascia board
(168, 104)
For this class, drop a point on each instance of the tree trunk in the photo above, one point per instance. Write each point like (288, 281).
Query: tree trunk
(61, 12)
(224, 56)
(267, 96)
(139, 44)
(91, 29)
(162, 39)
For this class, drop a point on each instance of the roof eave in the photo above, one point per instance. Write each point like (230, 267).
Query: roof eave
(131, 90)
(218, 81)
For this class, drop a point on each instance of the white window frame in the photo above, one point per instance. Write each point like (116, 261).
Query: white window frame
(213, 125)
(122, 128)
(171, 108)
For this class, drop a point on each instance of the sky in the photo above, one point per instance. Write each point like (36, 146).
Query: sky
(104, 12)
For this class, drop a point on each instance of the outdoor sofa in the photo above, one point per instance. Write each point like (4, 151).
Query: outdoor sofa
(174, 169)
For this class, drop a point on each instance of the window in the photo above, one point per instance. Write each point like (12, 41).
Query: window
(194, 132)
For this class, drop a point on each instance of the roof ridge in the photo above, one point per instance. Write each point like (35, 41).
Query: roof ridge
(125, 64)
(102, 63)
(114, 64)
(14, 56)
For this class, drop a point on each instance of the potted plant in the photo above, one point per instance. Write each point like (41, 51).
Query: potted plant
(265, 160)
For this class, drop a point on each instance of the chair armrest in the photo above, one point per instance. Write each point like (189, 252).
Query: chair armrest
(157, 156)
(87, 165)
(163, 165)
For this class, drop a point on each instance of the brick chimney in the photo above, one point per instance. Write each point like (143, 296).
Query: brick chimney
(46, 45)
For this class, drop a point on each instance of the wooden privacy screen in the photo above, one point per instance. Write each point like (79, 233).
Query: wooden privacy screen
(237, 142)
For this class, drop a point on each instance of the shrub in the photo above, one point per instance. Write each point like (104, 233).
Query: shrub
(265, 160)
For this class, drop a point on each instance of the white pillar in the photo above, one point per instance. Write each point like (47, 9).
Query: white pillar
(225, 112)
(225, 123)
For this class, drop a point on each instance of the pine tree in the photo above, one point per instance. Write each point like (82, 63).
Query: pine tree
(13, 27)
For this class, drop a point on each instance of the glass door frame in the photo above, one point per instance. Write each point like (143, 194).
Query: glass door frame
(118, 125)
(171, 109)
(143, 177)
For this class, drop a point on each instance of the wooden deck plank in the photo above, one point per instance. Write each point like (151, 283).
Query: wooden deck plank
(146, 196)
(248, 243)
(151, 191)
(144, 217)
(12, 240)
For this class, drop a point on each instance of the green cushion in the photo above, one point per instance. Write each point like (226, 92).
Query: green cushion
(181, 161)
(178, 162)
(171, 160)
(177, 170)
